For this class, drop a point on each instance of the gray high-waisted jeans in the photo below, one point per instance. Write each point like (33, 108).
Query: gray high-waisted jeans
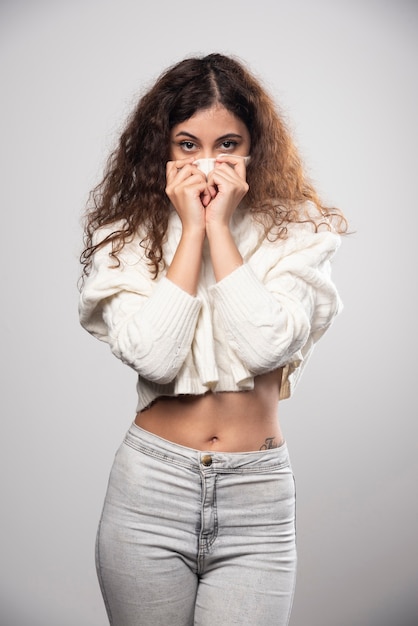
(197, 538)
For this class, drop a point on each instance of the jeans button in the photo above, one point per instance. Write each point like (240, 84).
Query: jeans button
(206, 460)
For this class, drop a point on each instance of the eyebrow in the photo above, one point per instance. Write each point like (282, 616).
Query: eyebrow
(226, 136)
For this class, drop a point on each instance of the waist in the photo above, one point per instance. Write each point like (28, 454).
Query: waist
(227, 421)
(177, 454)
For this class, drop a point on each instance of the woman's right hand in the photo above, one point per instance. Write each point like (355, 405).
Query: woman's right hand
(187, 188)
(188, 191)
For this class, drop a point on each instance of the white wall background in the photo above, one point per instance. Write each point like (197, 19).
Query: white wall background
(345, 73)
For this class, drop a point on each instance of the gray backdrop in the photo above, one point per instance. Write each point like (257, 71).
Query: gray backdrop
(345, 74)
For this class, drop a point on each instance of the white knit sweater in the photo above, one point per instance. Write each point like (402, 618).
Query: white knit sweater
(266, 314)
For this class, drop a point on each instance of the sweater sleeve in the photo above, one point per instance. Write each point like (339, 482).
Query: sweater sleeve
(149, 325)
(277, 305)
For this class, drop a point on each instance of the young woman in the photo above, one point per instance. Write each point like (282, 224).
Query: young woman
(207, 270)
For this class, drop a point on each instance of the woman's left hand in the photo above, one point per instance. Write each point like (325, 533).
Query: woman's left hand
(229, 180)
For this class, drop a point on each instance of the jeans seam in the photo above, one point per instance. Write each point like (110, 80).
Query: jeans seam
(253, 470)
(99, 574)
(157, 455)
(295, 573)
(205, 543)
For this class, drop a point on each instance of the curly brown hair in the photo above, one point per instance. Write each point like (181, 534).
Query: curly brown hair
(132, 192)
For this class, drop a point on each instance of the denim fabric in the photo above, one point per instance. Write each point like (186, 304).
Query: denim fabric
(197, 538)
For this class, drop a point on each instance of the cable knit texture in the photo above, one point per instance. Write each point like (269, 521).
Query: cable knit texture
(266, 314)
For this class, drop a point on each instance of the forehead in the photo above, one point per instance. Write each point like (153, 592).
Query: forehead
(216, 119)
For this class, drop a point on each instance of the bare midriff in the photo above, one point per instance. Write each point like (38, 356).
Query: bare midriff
(241, 421)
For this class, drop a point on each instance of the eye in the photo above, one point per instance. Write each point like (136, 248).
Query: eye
(229, 144)
(187, 145)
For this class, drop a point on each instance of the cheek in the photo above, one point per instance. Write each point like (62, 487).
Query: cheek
(175, 153)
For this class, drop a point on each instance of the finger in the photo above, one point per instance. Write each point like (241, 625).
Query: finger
(208, 194)
(224, 173)
(190, 171)
(233, 159)
(205, 197)
(212, 190)
(180, 165)
(226, 180)
(235, 162)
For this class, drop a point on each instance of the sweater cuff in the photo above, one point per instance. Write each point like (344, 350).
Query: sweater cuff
(242, 293)
(173, 310)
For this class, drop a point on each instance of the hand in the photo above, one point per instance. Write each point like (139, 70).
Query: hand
(227, 186)
(189, 192)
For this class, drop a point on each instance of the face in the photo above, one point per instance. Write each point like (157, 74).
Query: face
(208, 133)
